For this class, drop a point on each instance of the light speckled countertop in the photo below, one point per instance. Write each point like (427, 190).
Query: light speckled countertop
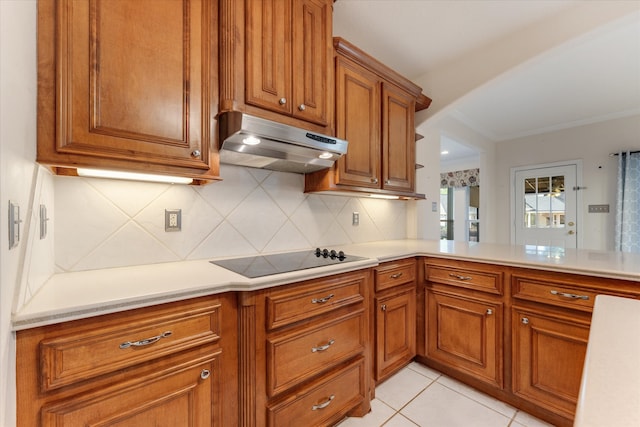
(70, 296)
(610, 387)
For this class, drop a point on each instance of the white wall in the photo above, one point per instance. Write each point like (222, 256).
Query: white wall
(17, 170)
(465, 74)
(591, 144)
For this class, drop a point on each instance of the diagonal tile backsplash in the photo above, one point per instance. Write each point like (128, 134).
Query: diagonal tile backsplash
(109, 223)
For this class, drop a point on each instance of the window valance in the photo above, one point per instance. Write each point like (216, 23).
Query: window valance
(463, 178)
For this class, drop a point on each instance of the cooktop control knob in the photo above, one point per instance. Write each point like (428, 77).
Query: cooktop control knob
(325, 253)
(318, 252)
(341, 256)
(333, 254)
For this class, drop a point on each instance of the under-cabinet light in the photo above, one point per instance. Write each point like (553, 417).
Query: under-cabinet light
(101, 173)
(384, 196)
(251, 140)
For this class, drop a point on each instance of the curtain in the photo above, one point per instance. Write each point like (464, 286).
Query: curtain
(627, 234)
(464, 178)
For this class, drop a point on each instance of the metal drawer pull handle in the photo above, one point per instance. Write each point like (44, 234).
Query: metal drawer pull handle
(323, 404)
(147, 341)
(322, 300)
(395, 276)
(459, 277)
(525, 321)
(205, 374)
(571, 296)
(322, 347)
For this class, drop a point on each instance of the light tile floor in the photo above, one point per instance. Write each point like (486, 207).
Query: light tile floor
(420, 396)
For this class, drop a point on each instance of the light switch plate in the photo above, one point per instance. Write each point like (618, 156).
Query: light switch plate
(43, 221)
(14, 224)
(598, 208)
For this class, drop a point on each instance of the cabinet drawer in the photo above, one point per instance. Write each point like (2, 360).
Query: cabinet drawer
(394, 274)
(555, 294)
(295, 357)
(84, 354)
(475, 276)
(299, 302)
(322, 404)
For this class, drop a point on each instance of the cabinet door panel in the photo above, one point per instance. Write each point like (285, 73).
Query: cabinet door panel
(357, 121)
(548, 356)
(149, 99)
(177, 397)
(395, 332)
(398, 139)
(268, 67)
(312, 53)
(466, 333)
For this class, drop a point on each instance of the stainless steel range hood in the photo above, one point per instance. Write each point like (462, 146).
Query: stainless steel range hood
(251, 141)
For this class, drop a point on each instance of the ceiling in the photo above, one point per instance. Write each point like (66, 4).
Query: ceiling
(592, 78)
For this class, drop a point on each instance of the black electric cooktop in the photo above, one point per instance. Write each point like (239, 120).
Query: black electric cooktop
(266, 265)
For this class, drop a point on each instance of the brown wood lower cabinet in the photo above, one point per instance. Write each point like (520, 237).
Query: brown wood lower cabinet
(548, 355)
(466, 332)
(305, 352)
(394, 316)
(171, 365)
(517, 334)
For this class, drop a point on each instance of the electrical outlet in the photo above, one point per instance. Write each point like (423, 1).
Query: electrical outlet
(355, 220)
(172, 219)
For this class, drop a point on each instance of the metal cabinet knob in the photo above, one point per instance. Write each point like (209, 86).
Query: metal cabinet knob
(282, 101)
(302, 107)
(387, 182)
(374, 180)
(489, 311)
(383, 307)
(195, 153)
(524, 321)
(571, 232)
(205, 373)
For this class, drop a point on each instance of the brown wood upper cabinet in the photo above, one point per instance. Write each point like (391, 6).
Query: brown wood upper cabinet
(128, 85)
(375, 112)
(280, 68)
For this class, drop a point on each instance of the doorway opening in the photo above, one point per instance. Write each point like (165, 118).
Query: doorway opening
(460, 213)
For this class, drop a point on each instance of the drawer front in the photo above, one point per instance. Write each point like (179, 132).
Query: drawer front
(80, 356)
(297, 356)
(554, 294)
(325, 403)
(483, 278)
(395, 274)
(309, 299)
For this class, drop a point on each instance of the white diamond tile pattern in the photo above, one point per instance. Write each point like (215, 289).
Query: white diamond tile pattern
(109, 223)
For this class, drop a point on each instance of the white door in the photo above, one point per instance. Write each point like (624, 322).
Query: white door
(545, 206)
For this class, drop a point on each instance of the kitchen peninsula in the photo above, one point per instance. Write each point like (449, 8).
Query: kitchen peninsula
(502, 297)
